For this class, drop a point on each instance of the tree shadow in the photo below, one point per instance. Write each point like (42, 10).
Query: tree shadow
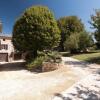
(37, 70)
(14, 66)
(68, 54)
(62, 97)
(85, 93)
(79, 63)
(94, 60)
(82, 93)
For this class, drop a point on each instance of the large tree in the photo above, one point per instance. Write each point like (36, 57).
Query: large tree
(95, 22)
(85, 41)
(72, 43)
(35, 30)
(69, 25)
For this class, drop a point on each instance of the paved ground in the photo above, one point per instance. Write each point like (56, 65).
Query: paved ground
(19, 84)
(86, 89)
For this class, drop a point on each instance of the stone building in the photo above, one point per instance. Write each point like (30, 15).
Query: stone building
(6, 47)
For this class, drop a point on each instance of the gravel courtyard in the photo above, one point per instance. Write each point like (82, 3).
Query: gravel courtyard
(87, 88)
(21, 84)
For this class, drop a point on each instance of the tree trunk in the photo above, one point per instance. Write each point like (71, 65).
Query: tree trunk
(35, 53)
(29, 55)
(73, 51)
(61, 47)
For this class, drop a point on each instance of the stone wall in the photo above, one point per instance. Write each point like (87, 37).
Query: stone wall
(48, 66)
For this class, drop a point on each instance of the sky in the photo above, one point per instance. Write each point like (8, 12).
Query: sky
(10, 10)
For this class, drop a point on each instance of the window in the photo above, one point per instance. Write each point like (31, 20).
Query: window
(0, 47)
(3, 39)
(4, 46)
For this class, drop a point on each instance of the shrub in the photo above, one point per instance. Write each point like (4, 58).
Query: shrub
(41, 53)
(53, 57)
(35, 63)
(72, 42)
(77, 43)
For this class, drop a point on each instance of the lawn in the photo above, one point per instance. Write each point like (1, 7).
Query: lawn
(92, 57)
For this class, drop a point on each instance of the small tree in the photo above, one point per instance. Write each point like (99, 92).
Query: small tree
(72, 42)
(78, 42)
(69, 25)
(95, 22)
(85, 41)
(36, 30)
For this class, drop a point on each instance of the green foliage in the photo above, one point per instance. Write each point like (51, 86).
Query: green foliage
(72, 42)
(35, 63)
(36, 30)
(69, 25)
(78, 42)
(41, 53)
(95, 22)
(91, 57)
(53, 57)
(85, 40)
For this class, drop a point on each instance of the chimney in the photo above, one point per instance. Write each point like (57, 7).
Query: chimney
(0, 26)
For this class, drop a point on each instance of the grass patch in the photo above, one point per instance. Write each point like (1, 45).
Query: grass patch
(92, 57)
(65, 54)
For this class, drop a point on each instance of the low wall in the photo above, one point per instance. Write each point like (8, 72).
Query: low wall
(48, 66)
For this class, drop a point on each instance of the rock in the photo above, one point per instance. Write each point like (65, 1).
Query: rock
(50, 66)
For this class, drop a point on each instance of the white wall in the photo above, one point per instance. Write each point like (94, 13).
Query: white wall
(10, 46)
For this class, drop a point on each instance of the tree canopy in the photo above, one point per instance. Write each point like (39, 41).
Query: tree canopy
(69, 25)
(95, 22)
(36, 29)
(72, 43)
(85, 40)
(78, 42)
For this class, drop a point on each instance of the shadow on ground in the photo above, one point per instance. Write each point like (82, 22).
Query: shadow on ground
(16, 66)
(68, 54)
(83, 93)
(94, 60)
(12, 66)
(79, 63)
(83, 64)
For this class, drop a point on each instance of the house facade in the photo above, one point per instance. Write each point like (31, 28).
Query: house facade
(6, 47)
